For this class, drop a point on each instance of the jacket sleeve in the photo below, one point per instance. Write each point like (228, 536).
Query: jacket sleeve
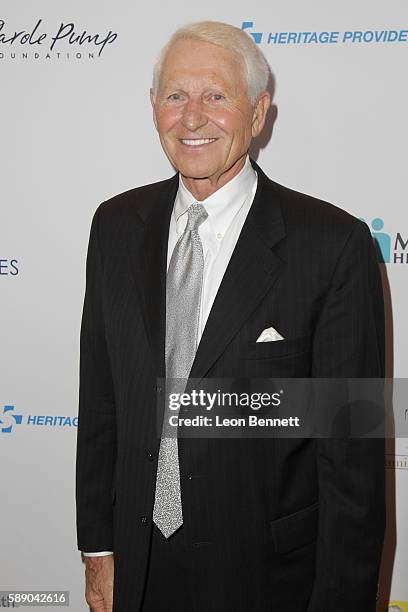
(349, 343)
(96, 439)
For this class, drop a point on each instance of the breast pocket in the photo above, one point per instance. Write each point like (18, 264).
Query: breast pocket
(279, 358)
(279, 348)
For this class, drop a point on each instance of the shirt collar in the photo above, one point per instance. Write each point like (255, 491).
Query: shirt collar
(224, 203)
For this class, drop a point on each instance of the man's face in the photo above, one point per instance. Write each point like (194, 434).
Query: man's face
(202, 111)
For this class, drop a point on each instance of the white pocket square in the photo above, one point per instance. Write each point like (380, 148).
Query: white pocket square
(269, 335)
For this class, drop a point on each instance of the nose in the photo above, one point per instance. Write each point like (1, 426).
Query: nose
(193, 115)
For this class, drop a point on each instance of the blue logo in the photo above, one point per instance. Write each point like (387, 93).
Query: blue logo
(382, 240)
(390, 249)
(8, 420)
(332, 37)
(257, 36)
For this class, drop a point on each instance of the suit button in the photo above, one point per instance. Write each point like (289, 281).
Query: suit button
(143, 519)
(149, 455)
(159, 388)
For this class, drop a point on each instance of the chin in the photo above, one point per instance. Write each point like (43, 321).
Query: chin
(195, 170)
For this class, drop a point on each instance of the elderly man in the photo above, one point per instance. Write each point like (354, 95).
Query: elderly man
(183, 277)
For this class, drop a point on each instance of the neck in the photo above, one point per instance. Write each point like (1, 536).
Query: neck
(202, 188)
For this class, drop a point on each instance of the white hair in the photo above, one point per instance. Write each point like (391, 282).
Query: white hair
(255, 68)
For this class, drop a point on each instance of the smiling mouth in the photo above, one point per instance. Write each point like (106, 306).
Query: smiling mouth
(196, 142)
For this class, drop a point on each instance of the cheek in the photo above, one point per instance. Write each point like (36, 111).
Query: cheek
(236, 124)
(225, 120)
(167, 119)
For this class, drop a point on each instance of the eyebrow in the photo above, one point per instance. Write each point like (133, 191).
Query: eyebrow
(176, 85)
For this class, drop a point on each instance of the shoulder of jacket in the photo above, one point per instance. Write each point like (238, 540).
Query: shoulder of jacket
(322, 219)
(316, 208)
(137, 197)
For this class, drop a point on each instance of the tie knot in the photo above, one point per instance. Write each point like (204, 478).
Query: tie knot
(196, 215)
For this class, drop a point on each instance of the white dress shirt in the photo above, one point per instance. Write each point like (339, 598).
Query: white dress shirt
(227, 209)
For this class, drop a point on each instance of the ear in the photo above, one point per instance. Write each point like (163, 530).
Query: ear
(260, 110)
(153, 103)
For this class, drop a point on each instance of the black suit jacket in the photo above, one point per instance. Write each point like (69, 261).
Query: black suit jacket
(288, 524)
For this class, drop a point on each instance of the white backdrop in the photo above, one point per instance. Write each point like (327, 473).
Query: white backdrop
(76, 129)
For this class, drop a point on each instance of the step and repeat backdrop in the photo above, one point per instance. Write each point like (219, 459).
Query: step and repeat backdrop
(76, 128)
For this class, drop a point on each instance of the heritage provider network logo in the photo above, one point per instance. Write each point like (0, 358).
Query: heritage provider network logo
(9, 419)
(325, 37)
(66, 40)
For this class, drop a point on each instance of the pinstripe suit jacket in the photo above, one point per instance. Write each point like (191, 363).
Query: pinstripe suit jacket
(270, 524)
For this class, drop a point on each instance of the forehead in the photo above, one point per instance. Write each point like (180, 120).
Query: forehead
(198, 60)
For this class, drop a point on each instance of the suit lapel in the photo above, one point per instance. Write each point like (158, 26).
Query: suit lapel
(252, 270)
(148, 254)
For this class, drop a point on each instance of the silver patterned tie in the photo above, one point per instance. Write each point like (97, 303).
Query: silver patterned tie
(183, 297)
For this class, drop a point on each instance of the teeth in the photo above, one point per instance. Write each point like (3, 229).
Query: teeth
(196, 142)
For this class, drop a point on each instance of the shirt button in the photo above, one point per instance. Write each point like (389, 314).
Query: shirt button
(219, 236)
(143, 519)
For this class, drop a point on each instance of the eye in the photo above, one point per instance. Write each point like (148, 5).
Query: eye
(174, 97)
(217, 97)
